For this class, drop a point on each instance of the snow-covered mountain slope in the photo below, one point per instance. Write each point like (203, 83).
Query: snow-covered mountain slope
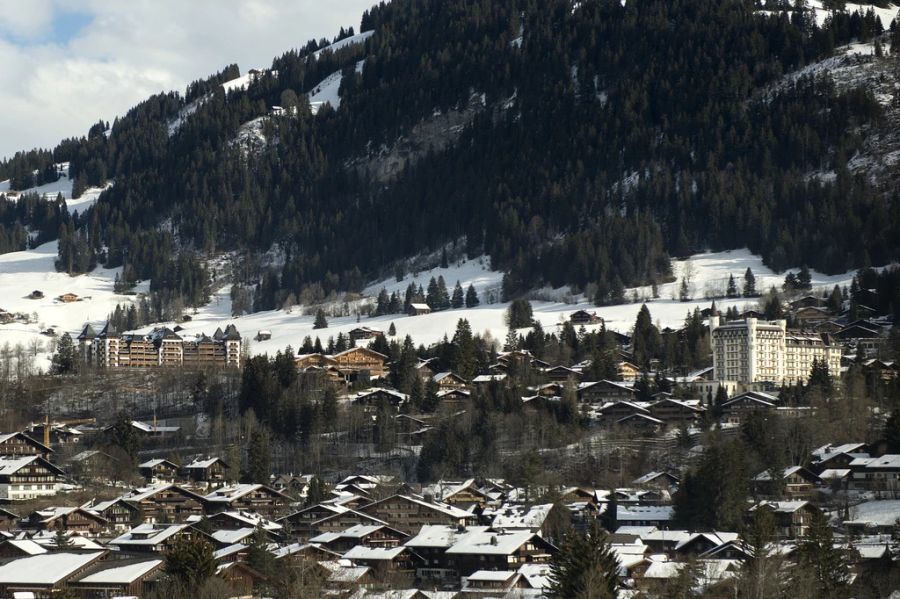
(21, 273)
(61, 186)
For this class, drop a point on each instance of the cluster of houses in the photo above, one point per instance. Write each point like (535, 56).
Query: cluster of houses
(366, 535)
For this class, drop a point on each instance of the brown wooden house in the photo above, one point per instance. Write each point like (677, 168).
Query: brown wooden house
(166, 503)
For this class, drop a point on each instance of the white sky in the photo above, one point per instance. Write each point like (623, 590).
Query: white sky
(65, 64)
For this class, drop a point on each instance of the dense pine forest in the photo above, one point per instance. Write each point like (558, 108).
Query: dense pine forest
(599, 141)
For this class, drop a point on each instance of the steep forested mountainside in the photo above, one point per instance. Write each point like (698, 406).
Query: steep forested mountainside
(575, 143)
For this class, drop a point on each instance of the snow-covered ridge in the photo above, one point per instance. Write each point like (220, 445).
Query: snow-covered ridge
(359, 38)
(886, 15)
(328, 91)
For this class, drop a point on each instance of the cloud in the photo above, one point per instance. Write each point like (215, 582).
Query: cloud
(126, 51)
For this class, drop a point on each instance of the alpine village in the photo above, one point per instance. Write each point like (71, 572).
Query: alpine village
(481, 299)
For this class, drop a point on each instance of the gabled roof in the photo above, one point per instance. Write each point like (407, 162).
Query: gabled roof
(364, 350)
(148, 534)
(448, 510)
(47, 568)
(10, 465)
(652, 476)
(204, 463)
(158, 462)
(491, 543)
(121, 572)
(20, 435)
(235, 492)
(790, 470)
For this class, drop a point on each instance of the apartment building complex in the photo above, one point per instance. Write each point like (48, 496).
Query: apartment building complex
(753, 351)
(160, 347)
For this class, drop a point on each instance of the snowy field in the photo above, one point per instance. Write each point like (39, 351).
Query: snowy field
(22, 272)
(887, 15)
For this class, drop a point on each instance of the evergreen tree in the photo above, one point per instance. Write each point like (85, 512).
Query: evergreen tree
(320, 321)
(392, 330)
(804, 279)
(749, 284)
(471, 297)
(892, 432)
(731, 291)
(258, 555)
(190, 561)
(828, 564)
(316, 493)
(584, 566)
(65, 360)
(259, 459)
(519, 314)
(458, 299)
(61, 540)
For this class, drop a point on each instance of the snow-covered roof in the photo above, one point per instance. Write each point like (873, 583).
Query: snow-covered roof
(440, 535)
(124, 574)
(148, 534)
(490, 543)
(362, 552)
(520, 518)
(47, 568)
(491, 576)
(230, 537)
(27, 546)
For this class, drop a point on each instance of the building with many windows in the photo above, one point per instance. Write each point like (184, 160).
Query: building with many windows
(160, 347)
(754, 351)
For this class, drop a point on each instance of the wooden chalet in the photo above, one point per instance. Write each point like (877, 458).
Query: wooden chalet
(364, 334)
(601, 392)
(408, 513)
(583, 317)
(76, 520)
(811, 315)
(165, 503)
(119, 513)
(735, 410)
(621, 409)
(792, 518)
(378, 396)
(392, 564)
(45, 575)
(8, 520)
(250, 497)
(563, 374)
(627, 371)
(367, 535)
(361, 359)
(454, 399)
(449, 380)
(675, 411)
(158, 470)
(418, 309)
(348, 518)
(155, 538)
(20, 444)
(27, 477)
(642, 423)
(206, 470)
(131, 577)
(497, 550)
(68, 298)
(796, 482)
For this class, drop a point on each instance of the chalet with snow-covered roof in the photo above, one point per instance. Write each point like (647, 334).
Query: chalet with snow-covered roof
(165, 503)
(364, 334)
(454, 399)
(583, 317)
(20, 444)
(878, 474)
(641, 423)
(210, 470)
(361, 359)
(796, 482)
(408, 513)
(155, 538)
(563, 374)
(792, 518)
(497, 550)
(449, 380)
(367, 535)
(808, 316)
(735, 410)
(76, 520)
(27, 477)
(657, 480)
(249, 497)
(601, 392)
(674, 411)
(379, 396)
(615, 411)
(132, 577)
(120, 514)
(416, 309)
(46, 574)
(158, 470)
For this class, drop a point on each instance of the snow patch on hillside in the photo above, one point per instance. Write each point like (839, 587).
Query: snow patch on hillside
(359, 38)
(328, 91)
(710, 271)
(35, 270)
(62, 186)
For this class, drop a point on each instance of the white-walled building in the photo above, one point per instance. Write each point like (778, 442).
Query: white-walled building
(752, 351)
